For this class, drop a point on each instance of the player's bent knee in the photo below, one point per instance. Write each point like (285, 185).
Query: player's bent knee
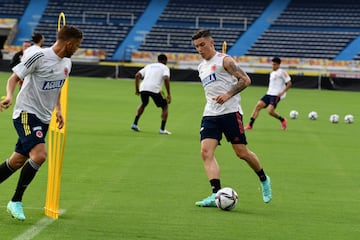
(16, 163)
(39, 157)
(244, 154)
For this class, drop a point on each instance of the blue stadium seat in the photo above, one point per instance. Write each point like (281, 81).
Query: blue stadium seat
(172, 32)
(311, 29)
(105, 25)
(12, 8)
(305, 29)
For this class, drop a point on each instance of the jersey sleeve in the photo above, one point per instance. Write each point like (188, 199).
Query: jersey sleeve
(142, 71)
(285, 76)
(27, 65)
(166, 72)
(69, 64)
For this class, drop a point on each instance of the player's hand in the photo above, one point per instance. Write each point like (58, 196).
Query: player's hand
(168, 99)
(59, 120)
(221, 99)
(5, 103)
(137, 93)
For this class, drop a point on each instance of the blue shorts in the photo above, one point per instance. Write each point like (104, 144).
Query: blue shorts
(270, 100)
(230, 124)
(31, 131)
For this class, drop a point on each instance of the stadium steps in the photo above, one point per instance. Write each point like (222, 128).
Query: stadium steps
(105, 26)
(312, 29)
(177, 23)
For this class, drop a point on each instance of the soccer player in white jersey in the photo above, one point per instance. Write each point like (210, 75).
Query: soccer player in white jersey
(154, 76)
(279, 84)
(44, 73)
(38, 41)
(223, 80)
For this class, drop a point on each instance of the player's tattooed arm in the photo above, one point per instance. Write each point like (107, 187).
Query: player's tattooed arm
(243, 79)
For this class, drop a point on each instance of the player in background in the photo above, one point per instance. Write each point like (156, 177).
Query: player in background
(154, 76)
(18, 55)
(38, 42)
(279, 84)
(44, 73)
(223, 80)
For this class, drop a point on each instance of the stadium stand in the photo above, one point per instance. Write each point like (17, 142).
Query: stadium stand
(104, 25)
(11, 11)
(13, 8)
(311, 29)
(315, 39)
(305, 29)
(180, 19)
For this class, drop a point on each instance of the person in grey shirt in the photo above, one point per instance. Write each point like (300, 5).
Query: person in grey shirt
(44, 73)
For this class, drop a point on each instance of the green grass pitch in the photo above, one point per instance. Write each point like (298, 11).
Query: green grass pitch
(120, 184)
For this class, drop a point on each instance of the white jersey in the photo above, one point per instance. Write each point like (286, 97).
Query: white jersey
(277, 82)
(31, 50)
(216, 80)
(44, 74)
(153, 77)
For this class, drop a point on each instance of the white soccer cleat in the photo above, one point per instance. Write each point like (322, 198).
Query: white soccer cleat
(165, 132)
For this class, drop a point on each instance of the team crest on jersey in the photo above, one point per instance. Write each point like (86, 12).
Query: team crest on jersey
(66, 71)
(213, 68)
(39, 134)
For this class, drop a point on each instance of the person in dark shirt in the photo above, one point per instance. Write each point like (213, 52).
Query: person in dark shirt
(17, 56)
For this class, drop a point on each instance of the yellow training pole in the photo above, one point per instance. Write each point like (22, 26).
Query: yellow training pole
(56, 148)
(224, 46)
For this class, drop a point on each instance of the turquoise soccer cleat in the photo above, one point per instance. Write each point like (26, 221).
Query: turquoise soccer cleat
(266, 190)
(207, 202)
(16, 210)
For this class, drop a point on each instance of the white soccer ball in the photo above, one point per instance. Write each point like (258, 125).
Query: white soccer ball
(349, 118)
(294, 114)
(334, 118)
(226, 198)
(313, 115)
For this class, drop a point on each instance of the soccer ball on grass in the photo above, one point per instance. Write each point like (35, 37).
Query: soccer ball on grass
(294, 114)
(349, 118)
(313, 115)
(226, 198)
(334, 118)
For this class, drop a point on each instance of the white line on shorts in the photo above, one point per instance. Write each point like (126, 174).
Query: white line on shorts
(37, 228)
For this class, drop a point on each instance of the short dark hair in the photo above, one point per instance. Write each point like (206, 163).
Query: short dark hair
(36, 37)
(162, 58)
(201, 33)
(68, 32)
(276, 60)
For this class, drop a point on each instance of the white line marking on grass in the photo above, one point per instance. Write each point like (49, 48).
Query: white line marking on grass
(37, 228)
